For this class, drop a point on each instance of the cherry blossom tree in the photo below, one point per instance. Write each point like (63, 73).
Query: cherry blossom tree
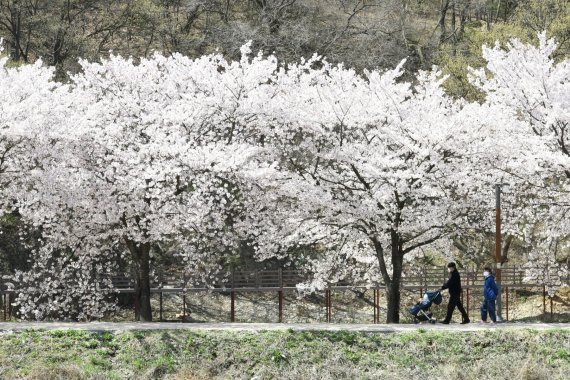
(525, 83)
(22, 89)
(213, 156)
(143, 156)
(372, 169)
(28, 107)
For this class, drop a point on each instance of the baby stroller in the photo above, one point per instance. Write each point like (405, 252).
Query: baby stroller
(420, 311)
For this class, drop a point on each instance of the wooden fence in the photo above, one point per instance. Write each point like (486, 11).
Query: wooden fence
(270, 280)
(282, 280)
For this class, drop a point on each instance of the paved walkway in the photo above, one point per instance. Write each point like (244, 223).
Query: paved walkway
(6, 327)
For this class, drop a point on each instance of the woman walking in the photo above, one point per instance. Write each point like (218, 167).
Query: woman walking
(454, 286)
(490, 292)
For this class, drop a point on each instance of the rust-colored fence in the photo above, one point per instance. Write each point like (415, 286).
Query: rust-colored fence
(281, 281)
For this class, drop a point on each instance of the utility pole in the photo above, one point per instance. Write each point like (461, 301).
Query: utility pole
(498, 246)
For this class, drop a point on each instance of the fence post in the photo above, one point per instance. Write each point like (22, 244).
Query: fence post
(233, 298)
(184, 286)
(468, 303)
(137, 315)
(233, 306)
(514, 298)
(507, 301)
(377, 305)
(280, 275)
(257, 280)
(544, 300)
(280, 293)
(328, 305)
(374, 302)
(160, 280)
(160, 306)
(9, 306)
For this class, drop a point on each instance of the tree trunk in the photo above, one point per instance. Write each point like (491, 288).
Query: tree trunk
(15, 23)
(441, 22)
(462, 20)
(453, 30)
(498, 9)
(506, 247)
(393, 288)
(393, 298)
(141, 261)
(392, 283)
(453, 16)
(403, 12)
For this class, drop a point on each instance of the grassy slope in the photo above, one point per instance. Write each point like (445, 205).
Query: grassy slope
(490, 354)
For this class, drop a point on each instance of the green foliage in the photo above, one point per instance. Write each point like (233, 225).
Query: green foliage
(284, 354)
(529, 18)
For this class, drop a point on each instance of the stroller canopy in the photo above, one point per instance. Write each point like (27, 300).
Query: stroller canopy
(434, 297)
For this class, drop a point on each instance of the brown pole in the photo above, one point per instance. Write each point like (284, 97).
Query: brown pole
(551, 316)
(498, 247)
(498, 243)
(183, 307)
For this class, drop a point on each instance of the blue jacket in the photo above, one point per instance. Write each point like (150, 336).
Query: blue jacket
(490, 292)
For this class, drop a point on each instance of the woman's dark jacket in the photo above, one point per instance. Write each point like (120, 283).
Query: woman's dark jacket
(453, 284)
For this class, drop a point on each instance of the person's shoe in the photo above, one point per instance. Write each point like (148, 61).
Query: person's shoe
(482, 321)
(465, 321)
(444, 322)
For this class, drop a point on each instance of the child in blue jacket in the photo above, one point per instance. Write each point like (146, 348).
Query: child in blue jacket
(490, 293)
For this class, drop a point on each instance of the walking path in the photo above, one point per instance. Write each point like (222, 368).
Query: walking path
(6, 327)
